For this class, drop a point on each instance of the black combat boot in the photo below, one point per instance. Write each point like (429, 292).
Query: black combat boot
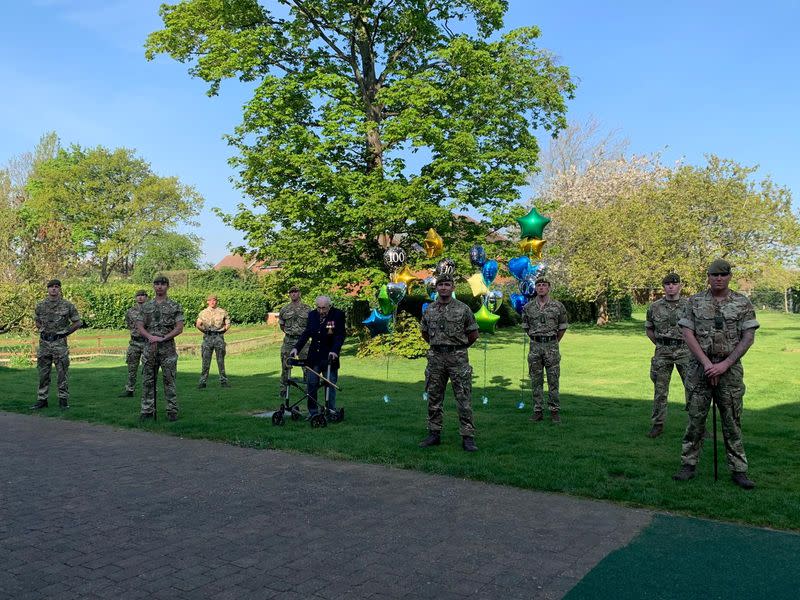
(126, 394)
(39, 405)
(656, 431)
(555, 417)
(433, 439)
(201, 386)
(685, 474)
(468, 443)
(740, 479)
(537, 416)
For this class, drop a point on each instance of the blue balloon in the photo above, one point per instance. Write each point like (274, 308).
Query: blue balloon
(425, 306)
(533, 271)
(518, 302)
(519, 266)
(489, 272)
(477, 256)
(528, 287)
(377, 322)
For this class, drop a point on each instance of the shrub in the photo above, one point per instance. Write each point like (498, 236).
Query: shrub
(406, 340)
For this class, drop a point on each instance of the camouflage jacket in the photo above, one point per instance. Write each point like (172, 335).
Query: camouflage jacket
(293, 318)
(448, 324)
(718, 326)
(55, 316)
(663, 316)
(130, 318)
(548, 319)
(214, 319)
(160, 318)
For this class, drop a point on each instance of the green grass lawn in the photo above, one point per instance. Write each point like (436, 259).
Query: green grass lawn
(600, 451)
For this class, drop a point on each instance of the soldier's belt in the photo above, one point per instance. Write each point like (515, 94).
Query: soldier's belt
(52, 337)
(212, 333)
(717, 358)
(669, 341)
(544, 338)
(447, 347)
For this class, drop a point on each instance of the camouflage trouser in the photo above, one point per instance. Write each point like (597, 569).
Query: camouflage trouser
(288, 342)
(455, 366)
(133, 357)
(728, 396)
(165, 356)
(49, 354)
(544, 356)
(211, 344)
(661, 367)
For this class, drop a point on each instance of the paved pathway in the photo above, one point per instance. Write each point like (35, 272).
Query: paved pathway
(90, 511)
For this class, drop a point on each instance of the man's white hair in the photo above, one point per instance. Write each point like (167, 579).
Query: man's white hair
(325, 300)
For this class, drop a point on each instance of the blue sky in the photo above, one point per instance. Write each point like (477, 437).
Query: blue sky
(684, 78)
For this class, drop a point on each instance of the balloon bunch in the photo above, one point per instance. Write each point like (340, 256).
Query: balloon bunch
(480, 284)
(522, 267)
(390, 294)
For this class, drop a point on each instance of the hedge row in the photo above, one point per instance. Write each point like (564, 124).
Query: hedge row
(104, 307)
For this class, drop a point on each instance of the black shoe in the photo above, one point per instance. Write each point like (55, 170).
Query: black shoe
(468, 443)
(146, 416)
(225, 384)
(39, 405)
(685, 474)
(63, 405)
(537, 416)
(555, 417)
(656, 431)
(201, 386)
(172, 417)
(742, 481)
(126, 394)
(433, 439)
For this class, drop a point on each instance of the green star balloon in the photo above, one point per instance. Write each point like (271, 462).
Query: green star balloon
(533, 224)
(486, 320)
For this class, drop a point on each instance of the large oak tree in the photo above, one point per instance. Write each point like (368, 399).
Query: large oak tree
(370, 117)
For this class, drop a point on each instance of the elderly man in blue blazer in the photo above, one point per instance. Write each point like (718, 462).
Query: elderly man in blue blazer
(325, 329)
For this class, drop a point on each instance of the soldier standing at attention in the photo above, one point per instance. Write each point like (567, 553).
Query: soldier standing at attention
(213, 322)
(160, 322)
(719, 326)
(545, 322)
(136, 346)
(292, 319)
(55, 319)
(662, 328)
(449, 326)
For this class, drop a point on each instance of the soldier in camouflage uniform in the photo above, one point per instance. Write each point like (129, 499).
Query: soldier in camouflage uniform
(292, 319)
(719, 327)
(55, 319)
(213, 322)
(159, 322)
(449, 326)
(136, 346)
(662, 328)
(545, 322)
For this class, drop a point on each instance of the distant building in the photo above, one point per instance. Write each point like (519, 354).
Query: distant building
(240, 263)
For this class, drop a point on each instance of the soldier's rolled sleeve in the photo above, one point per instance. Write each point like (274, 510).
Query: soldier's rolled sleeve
(562, 319)
(74, 316)
(423, 324)
(686, 322)
(750, 324)
(470, 324)
(525, 324)
(648, 322)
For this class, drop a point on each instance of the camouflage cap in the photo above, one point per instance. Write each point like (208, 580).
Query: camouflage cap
(719, 267)
(210, 296)
(161, 279)
(294, 288)
(53, 282)
(671, 278)
(444, 277)
(543, 279)
(141, 293)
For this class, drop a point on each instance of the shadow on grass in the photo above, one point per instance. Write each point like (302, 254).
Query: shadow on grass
(600, 450)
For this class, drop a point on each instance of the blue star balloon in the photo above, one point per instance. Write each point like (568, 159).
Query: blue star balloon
(518, 302)
(377, 323)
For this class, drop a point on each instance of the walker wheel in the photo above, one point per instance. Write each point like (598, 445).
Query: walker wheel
(296, 414)
(277, 417)
(319, 420)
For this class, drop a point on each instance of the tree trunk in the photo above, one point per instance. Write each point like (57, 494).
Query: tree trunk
(104, 269)
(602, 310)
(786, 300)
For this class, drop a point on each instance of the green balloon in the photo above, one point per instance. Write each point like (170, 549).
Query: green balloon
(533, 224)
(487, 321)
(385, 302)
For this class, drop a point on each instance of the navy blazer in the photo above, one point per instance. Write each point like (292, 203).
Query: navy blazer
(326, 335)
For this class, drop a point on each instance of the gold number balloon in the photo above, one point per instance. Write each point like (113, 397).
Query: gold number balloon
(532, 247)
